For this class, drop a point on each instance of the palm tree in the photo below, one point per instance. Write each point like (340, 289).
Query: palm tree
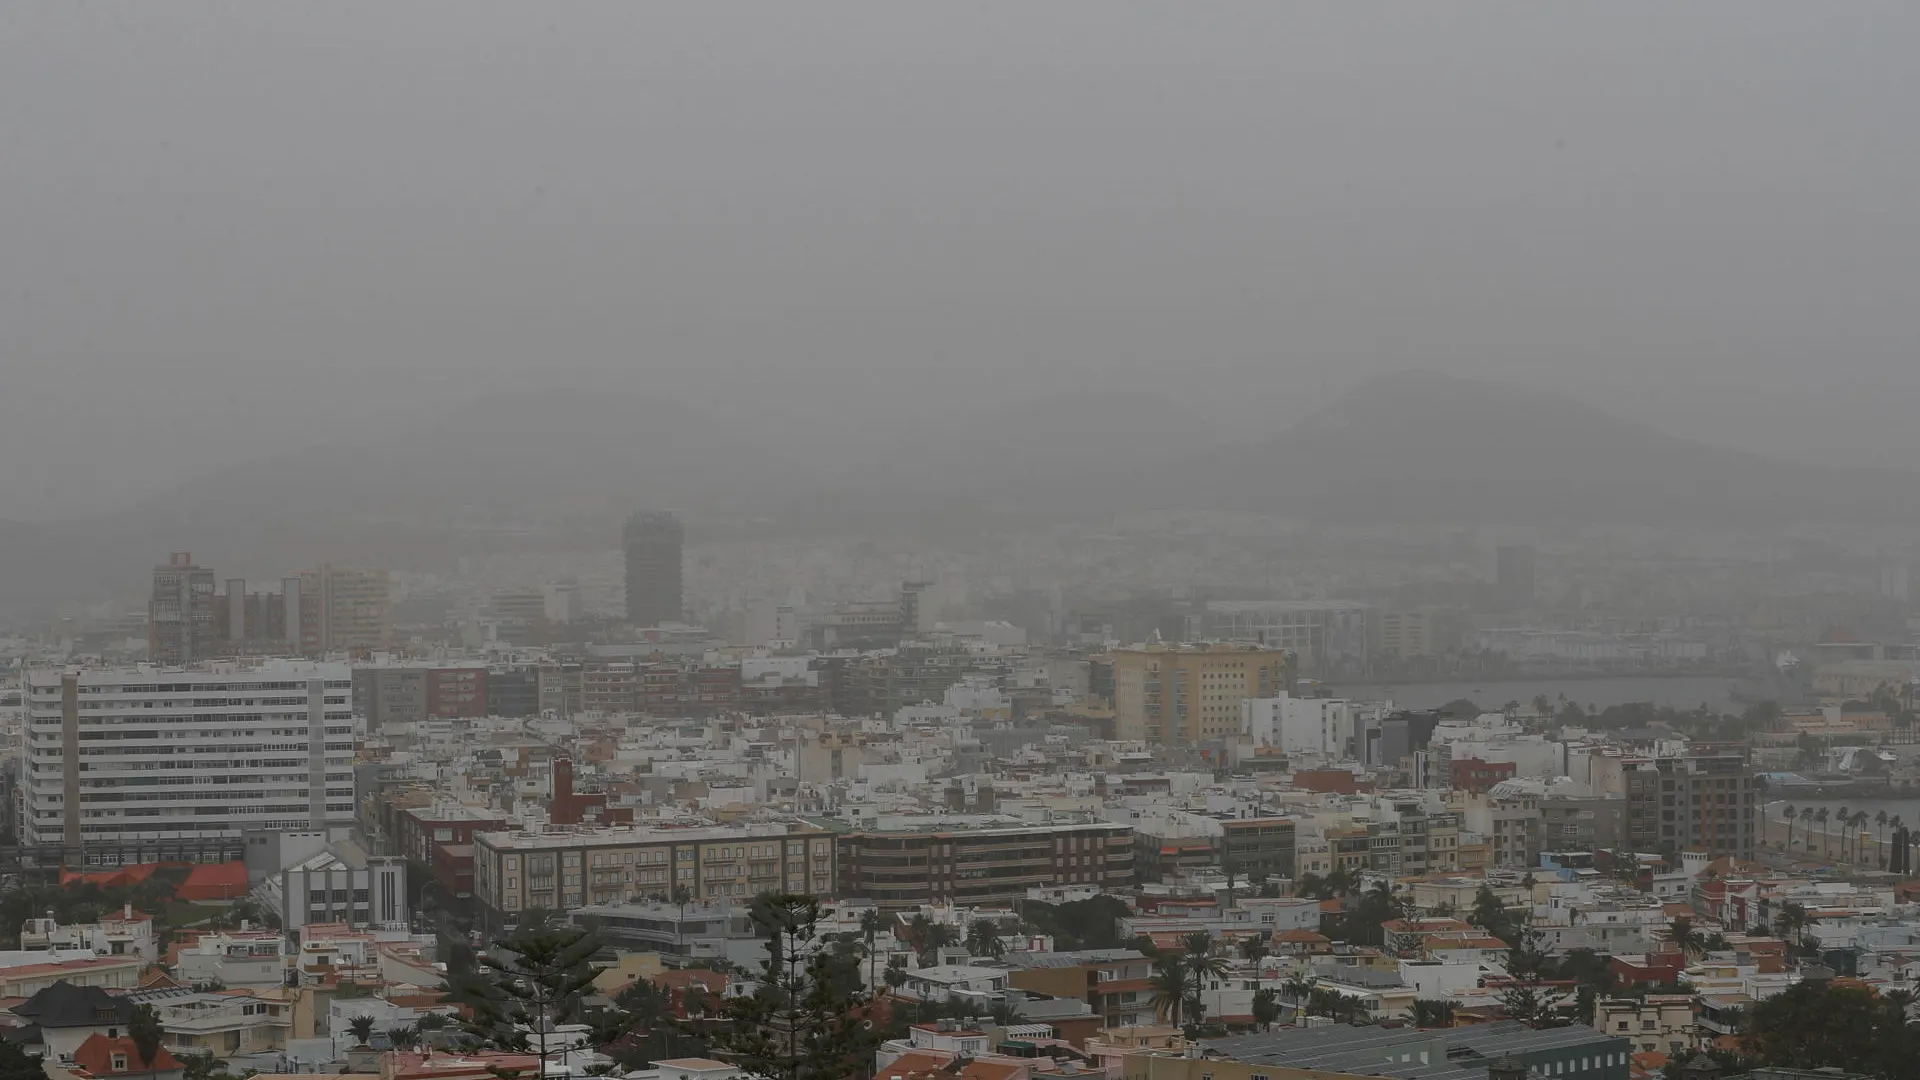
(936, 937)
(1432, 1013)
(1172, 983)
(404, 1037)
(1806, 822)
(1898, 1001)
(1792, 922)
(1690, 940)
(1789, 813)
(1880, 849)
(1826, 840)
(983, 939)
(361, 1027)
(1840, 820)
(1299, 989)
(1253, 950)
(1197, 951)
(870, 924)
(1232, 870)
(1860, 822)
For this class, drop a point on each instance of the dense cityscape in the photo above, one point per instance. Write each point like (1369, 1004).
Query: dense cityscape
(854, 540)
(306, 826)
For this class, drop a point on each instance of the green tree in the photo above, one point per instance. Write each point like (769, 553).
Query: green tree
(1172, 986)
(1523, 999)
(983, 939)
(1880, 819)
(1376, 907)
(1815, 1025)
(803, 1022)
(1491, 915)
(1200, 953)
(1788, 813)
(1298, 986)
(1266, 1008)
(870, 923)
(530, 983)
(17, 1064)
(1687, 938)
(145, 1029)
(1253, 949)
(1826, 838)
(404, 1037)
(361, 1028)
(935, 937)
(1792, 921)
(1432, 1014)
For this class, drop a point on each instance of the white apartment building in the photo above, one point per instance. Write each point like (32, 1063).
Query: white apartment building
(1329, 727)
(137, 763)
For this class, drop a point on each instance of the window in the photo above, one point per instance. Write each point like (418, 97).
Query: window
(119, 1063)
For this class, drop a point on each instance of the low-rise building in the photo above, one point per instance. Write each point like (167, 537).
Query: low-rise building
(563, 869)
(983, 866)
(1117, 984)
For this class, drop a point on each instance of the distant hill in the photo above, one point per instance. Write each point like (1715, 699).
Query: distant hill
(1425, 447)
(521, 470)
(554, 468)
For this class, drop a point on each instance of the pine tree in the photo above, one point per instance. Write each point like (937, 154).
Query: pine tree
(803, 1023)
(530, 983)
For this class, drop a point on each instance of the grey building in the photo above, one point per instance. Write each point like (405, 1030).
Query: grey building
(683, 934)
(1576, 1052)
(390, 696)
(1582, 823)
(513, 692)
(653, 542)
(1704, 802)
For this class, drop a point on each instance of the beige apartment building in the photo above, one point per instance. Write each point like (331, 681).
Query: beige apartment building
(1190, 693)
(343, 609)
(566, 868)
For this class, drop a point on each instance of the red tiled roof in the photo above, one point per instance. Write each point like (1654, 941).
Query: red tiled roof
(96, 1056)
(214, 881)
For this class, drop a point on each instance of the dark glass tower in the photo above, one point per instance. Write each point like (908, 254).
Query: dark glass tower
(653, 540)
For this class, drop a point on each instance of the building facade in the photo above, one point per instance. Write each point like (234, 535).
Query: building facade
(180, 615)
(653, 543)
(568, 868)
(904, 869)
(1330, 637)
(343, 610)
(1187, 694)
(1701, 803)
(124, 763)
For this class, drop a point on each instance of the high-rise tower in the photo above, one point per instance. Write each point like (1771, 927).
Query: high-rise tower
(653, 541)
(180, 615)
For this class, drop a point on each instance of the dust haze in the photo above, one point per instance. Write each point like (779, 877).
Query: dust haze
(876, 249)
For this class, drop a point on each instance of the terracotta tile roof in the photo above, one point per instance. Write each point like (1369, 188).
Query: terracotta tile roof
(96, 1056)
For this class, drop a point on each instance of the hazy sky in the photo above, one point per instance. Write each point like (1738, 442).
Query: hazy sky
(230, 228)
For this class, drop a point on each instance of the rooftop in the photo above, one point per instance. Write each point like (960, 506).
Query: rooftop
(1376, 1051)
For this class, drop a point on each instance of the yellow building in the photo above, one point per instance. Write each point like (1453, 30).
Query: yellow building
(1182, 694)
(343, 609)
